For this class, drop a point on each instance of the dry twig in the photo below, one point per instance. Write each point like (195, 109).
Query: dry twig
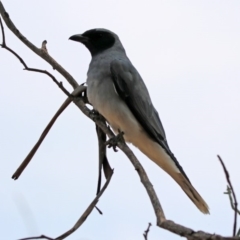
(38, 237)
(235, 204)
(4, 45)
(38, 51)
(77, 91)
(44, 46)
(30, 155)
(145, 234)
(229, 193)
(81, 220)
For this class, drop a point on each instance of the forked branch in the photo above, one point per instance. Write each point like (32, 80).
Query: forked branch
(234, 202)
(81, 220)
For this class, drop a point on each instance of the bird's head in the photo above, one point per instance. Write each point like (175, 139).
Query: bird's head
(96, 40)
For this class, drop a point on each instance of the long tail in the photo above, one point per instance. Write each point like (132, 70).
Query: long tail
(158, 155)
(191, 192)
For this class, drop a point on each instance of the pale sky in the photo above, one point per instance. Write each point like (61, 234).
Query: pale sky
(188, 53)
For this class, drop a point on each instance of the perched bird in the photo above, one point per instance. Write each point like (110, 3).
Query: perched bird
(116, 90)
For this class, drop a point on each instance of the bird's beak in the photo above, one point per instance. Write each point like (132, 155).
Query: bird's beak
(79, 38)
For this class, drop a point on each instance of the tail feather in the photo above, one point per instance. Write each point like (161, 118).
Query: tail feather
(191, 192)
(158, 155)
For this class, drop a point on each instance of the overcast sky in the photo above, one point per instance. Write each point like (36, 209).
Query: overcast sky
(188, 53)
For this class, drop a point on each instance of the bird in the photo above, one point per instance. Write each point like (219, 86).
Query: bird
(116, 90)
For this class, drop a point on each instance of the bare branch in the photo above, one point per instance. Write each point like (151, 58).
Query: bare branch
(4, 45)
(99, 211)
(29, 157)
(38, 237)
(87, 212)
(145, 234)
(235, 204)
(38, 51)
(44, 46)
(193, 235)
(79, 90)
(229, 193)
(3, 34)
(81, 220)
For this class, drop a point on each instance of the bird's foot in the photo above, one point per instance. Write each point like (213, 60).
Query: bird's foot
(84, 97)
(112, 142)
(95, 115)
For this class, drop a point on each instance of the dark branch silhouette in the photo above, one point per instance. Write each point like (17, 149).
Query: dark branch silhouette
(229, 193)
(38, 237)
(4, 45)
(81, 220)
(235, 204)
(29, 157)
(63, 107)
(145, 234)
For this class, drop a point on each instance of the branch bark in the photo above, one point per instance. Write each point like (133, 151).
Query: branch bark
(161, 220)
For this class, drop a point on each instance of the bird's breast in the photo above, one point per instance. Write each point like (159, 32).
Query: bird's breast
(103, 97)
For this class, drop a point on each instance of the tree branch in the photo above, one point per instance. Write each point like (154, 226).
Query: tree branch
(81, 220)
(235, 204)
(4, 45)
(145, 234)
(30, 155)
(229, 193)
(38, 51)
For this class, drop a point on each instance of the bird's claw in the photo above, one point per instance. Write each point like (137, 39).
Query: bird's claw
(95, 115)
(112, 142)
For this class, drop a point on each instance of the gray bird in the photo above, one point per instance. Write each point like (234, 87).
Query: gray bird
(116, 90)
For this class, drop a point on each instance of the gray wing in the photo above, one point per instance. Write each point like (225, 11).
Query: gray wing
(132, 90)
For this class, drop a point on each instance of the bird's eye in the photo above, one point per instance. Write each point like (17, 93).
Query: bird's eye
(100, 35)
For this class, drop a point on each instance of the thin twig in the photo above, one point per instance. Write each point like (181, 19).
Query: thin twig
(81, 220)
(234, 196)
(38, 237)
(229, 193)
(99, 211)
(35, 49)
(145, 234)
(87, 212)
(44, 46)
(30, 155)
(62, 108)
(3, 33)
(4, 45)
